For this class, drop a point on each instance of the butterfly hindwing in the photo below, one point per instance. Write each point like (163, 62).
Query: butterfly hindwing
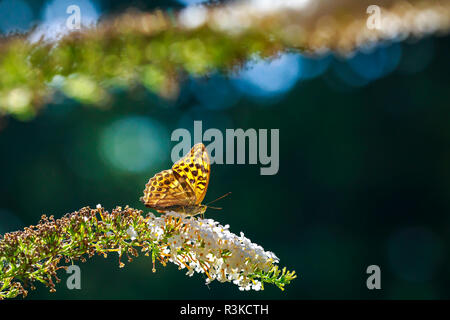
(165, 190)
(193, 169)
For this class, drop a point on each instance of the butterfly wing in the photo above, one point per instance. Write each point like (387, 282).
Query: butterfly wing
(193, 169)
(165, 190)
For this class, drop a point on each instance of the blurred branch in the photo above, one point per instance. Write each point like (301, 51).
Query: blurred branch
(157, 49)
(197, 245)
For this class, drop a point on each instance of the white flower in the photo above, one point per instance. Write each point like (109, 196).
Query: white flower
(175, 242)
(132, 233)
(205, 246)
(256, 286)
(193, 17)
(156, 230)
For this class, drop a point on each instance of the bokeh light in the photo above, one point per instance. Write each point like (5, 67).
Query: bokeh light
(314, 67)
(134, 144)
(269, 78)
(365, 66)
(191, 2)
(377, 63)
(270, 5)
(343, 77)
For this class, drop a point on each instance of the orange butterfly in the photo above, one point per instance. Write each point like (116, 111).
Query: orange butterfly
(182, 188)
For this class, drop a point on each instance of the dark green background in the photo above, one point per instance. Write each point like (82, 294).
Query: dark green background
(364, 179)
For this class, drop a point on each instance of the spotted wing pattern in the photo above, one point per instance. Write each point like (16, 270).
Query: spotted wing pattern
(183, 185)
(164, 190)
(194, 169)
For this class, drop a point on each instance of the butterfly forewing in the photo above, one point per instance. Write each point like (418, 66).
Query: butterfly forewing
(194, 169)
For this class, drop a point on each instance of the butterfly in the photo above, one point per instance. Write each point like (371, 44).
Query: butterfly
(182, 188)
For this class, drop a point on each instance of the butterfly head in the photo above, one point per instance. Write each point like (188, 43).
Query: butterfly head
(202, 208)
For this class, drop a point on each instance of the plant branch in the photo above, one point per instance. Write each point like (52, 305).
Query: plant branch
(197, 245)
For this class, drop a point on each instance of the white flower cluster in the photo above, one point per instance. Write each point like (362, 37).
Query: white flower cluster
(205, 246)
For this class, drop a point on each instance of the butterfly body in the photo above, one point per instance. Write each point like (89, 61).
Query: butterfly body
(188, 210)
(182, 188)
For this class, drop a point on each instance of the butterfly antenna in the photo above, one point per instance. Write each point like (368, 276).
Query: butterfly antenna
(214, 208)
(226, 194)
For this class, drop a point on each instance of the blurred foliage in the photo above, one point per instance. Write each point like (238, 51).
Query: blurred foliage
(158, 49)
